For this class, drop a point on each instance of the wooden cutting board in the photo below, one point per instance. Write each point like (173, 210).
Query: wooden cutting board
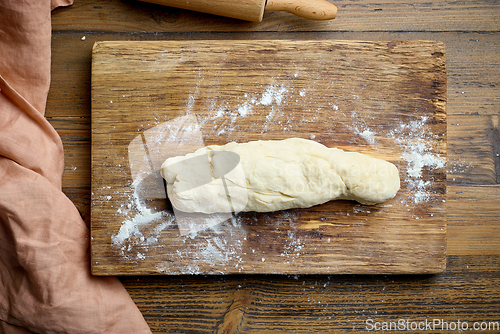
(154, 100)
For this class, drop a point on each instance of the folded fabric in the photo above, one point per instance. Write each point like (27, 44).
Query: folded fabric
(45, 280)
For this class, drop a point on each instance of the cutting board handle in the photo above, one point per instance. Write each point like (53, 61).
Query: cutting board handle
(309, 9)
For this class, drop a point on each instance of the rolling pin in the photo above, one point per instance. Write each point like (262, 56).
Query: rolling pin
(253, 10)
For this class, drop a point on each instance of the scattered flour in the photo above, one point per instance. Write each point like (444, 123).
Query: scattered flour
(359, 127)
(418, 158)
(268, 102)
(292, 249)
(459, 166)
(368, 135)
(245, 109)
(273, 94)
(418, 155)
(135, 230)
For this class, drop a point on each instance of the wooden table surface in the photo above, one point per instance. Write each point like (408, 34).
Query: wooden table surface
(467, 294)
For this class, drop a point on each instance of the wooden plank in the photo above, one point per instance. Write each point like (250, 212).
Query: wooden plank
(474, 239)
(75, 135)
(382, 98)
(473, 220)
(133, 16)
(468, 291)
(474, 157)
(473, 205)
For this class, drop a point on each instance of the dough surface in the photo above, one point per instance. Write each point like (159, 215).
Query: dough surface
(265, 176)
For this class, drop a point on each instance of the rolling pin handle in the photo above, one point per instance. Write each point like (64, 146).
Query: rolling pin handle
(309, 9)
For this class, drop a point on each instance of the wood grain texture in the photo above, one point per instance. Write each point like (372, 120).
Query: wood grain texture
(473, 227)
(313, 10)
(318, 303)
(386, 99)
(422, 15)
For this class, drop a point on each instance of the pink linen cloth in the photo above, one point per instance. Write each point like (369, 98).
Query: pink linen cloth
(45, 280)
